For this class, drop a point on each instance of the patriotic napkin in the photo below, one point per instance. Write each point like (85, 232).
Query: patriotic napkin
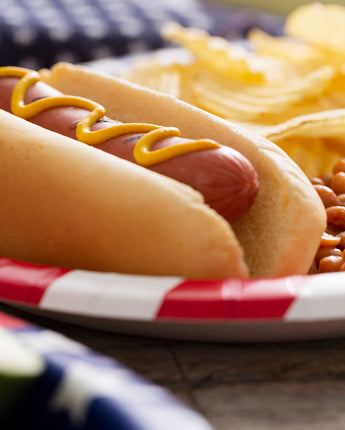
(65, 385)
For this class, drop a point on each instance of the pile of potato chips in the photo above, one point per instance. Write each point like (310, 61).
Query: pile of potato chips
(289, 89)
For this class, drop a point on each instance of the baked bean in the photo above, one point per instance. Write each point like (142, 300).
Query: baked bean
(330, 256)
(331, 263)
(328, 252)
(339, 166)
(317, 181)
(327, 195)
(333, 230)
(336, 216)
(328, 240)
(341, 244)
(327, 179)
(338, 183)
(341, 199)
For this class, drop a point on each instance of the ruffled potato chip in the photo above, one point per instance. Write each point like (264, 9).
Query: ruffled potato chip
(230, 60)
(301, 56)
(319, 24)
(254, 102)
(288, 89)
(315, 142)
(162, 78)
(266, 104)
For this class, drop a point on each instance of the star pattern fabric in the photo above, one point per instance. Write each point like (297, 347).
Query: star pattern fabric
(79, 389)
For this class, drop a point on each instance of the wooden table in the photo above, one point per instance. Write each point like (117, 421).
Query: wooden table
(261, 386)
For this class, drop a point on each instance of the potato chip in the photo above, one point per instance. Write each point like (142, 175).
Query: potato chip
(288, 89)
(321, 124)
(229, 60)
(173, 79)
(315, 142)
(270, 102)
(250, 102)
(165, 79)
(300, 55)
(319, 24)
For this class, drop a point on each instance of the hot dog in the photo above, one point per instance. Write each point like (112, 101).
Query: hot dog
(225, 178)
(76, 206)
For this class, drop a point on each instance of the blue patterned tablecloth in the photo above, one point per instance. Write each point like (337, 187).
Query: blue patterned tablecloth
(38, 33)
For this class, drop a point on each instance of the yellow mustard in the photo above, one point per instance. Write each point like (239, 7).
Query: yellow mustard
(142, 153)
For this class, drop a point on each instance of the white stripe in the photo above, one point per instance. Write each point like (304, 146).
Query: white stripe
(321, 298)
(108, 294)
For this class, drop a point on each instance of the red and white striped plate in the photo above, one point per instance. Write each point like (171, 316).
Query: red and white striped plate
(289, 308)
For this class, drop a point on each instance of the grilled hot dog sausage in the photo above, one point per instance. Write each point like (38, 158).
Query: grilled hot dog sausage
(225, 178)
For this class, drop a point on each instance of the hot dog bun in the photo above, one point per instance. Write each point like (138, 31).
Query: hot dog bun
(281, 232)
(68, 204)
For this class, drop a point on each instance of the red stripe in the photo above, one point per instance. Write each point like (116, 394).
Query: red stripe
(231, 299)
(24, 282)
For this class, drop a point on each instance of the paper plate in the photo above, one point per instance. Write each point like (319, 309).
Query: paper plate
(229, 310)
(78, 388)
(235, 310)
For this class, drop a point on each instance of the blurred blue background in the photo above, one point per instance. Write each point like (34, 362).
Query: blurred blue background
(38, 33)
